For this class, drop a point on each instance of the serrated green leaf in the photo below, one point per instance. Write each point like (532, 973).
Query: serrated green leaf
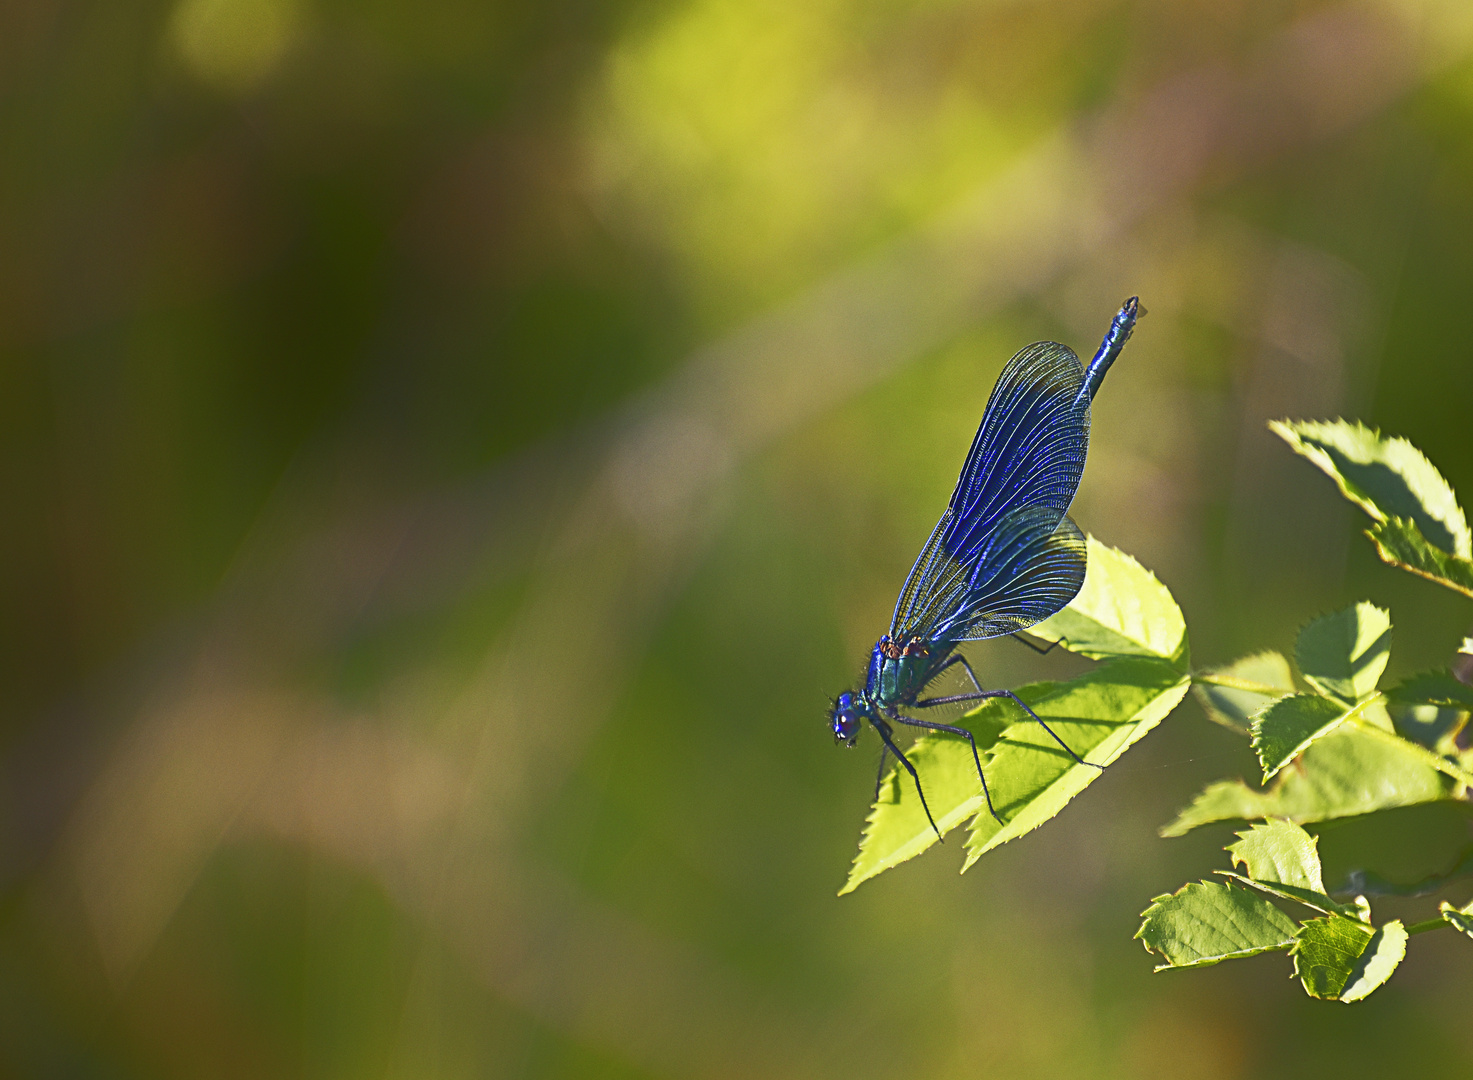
(1346, 773)
(1324, 950)
(1341, 959)
(1230, 705)
(1121, 610)
(1100, 715)
(1345, 653)
(1286, 728)
(1462, 917)
(1387, 477)
(1399, 542)
(897, 829)
(1204, 923)
(1279, 851)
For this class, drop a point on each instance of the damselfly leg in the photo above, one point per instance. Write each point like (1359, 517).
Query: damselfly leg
(956, 659)
(971, 740)
(980, 695)
(887, 737)
(1039, 649)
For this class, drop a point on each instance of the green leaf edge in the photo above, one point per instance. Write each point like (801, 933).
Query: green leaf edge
(1311, 637)
(1400, 543)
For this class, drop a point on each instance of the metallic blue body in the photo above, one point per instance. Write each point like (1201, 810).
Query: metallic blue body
(1115, 339)
(1005, 555)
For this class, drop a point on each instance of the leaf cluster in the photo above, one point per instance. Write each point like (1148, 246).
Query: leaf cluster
(1353, 748)
(1336, 747)
(1338, 952)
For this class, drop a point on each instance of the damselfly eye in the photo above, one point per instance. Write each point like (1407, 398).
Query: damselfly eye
(844, 721)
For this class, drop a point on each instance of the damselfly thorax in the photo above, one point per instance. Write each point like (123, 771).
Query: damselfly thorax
(898, 672)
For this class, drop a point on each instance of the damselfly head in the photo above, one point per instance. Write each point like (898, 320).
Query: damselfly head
(844, 720)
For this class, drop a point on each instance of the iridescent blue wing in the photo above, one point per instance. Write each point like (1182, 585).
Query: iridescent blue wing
(1030, 446)
(1029, 452)
(1031, 567)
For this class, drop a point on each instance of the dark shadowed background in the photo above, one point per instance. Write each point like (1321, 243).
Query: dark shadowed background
(453, 451)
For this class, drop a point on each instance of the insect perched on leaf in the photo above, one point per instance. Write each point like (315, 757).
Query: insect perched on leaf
(1004, 556)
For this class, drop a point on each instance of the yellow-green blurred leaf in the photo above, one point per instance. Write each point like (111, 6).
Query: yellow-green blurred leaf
(1431, 708)
(1231, 706)
(1348, 772)
(1286, 728)
(1279, 851)
(1121, 610)
(1387, 477)
(1438, 687)
(1345, 653)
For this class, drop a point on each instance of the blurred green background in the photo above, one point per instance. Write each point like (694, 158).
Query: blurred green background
(453, 451)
